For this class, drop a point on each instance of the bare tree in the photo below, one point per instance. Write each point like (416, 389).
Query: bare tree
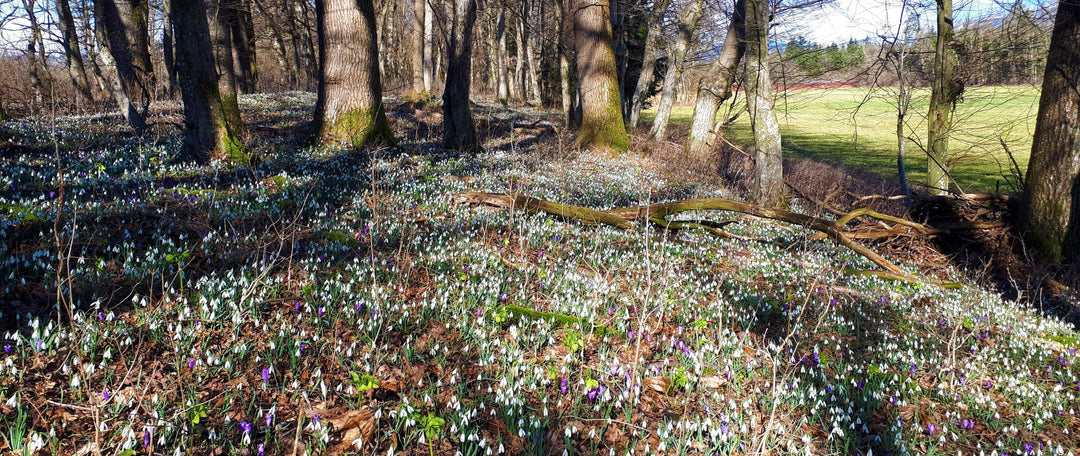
(417, 90)
(349, 105)
(1052, 193)
(121, 28)
(222, 16)
(944, 95)
(769, 186)
(207, 133)
(598, 85)
(689, 15)
(459, 130)
(653, 38)
(73, 60)
(716, 87)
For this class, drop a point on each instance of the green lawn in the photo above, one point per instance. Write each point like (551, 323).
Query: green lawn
(829, 125)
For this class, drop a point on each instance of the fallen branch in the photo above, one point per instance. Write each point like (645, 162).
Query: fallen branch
(659, 213)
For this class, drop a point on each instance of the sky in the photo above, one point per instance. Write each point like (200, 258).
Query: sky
(857, 19)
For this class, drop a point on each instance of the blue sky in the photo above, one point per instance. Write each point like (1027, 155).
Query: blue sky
(858, 19)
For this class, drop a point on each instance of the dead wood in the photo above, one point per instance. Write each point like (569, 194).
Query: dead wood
(658, 214)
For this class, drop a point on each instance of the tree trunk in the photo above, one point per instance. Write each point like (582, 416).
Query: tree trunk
(521, 77)
(418, 90)
(942, 102)
(570, 120)
(277, 41)
(459, 130)
(206, 133)
(242, 32)
(769, 188)
(534, 63)
(35, 57)
(222, 16)
(712, 92)
(501, 59)
(168, 44)
(903, 100)
(121, 28)
(429, 47)
(602, 125)
(1052, 194)
(349, 106)
(688, 20)
(69, 41)
(648, 64)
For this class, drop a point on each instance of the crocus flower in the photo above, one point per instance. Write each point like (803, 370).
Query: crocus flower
(7, 349)
(245, 427)
(563, 387)
(266, 374)
(931, 428)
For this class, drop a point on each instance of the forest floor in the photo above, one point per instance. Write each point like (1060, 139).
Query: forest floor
(327, 301)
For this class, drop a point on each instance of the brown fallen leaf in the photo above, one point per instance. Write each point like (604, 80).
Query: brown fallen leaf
(354, 428)
(658, 384)
(712, 382)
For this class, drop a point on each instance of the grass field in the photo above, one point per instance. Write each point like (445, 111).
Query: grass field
(857, 127)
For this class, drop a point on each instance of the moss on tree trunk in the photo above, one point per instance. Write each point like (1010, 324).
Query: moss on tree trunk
(349, 106)
(602, 125)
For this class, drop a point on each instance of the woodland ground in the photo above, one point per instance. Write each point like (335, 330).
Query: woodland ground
(856, 127)
(325, 301)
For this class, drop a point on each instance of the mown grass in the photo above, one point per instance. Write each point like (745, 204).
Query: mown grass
(857, 127)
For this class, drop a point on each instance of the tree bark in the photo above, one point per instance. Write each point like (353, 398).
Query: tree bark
(648, 65)
(459, 130)
(418, 91)
(206, 133)
(121, 26)
(168, 45)
(530, 55)
(715, 90)
(501, 59)
(564, 7)
(943, 97)
(769, 186)
(35, 56)
(688, 20)
(242, 32)
(1052, 193)
(349, 105)
(69, 41)
(429, 47)
(222, 17)
(521, 76)
(602, 125)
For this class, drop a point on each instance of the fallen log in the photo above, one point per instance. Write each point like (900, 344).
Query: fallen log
(658, 214)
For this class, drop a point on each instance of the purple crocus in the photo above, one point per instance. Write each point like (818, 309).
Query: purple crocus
(1029, 447)
(261, 449)
(266, 374)
(931, 428)
(245, 427)
(269, 419)
(563, 387)
(105, 394)
(7, 349)
(146, 438)
(191, 364)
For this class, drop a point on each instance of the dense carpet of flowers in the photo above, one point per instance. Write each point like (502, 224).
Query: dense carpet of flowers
(325, 301)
